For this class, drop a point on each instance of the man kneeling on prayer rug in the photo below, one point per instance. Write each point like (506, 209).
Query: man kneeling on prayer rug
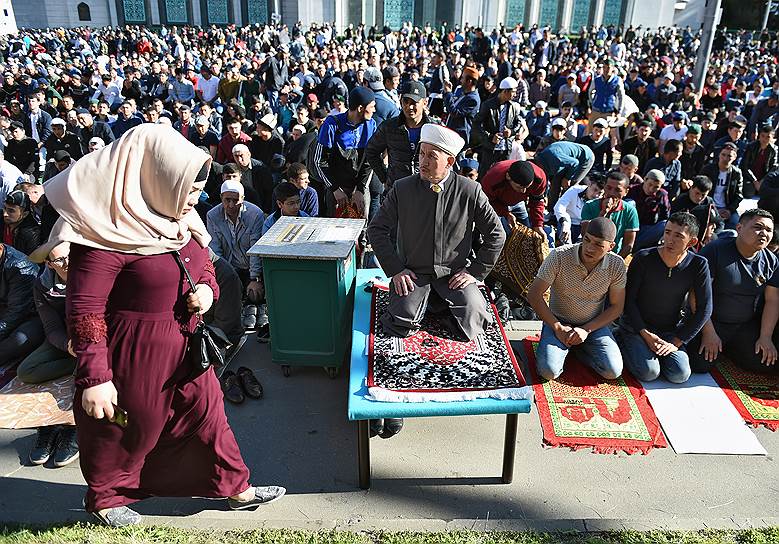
(580, 278)
(436, 214)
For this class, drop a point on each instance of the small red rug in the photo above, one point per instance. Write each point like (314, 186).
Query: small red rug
(755, 396)
(434, 365)
(580, 409)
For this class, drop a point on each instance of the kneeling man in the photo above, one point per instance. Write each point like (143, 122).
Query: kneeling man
(437, 214)
(580, 277)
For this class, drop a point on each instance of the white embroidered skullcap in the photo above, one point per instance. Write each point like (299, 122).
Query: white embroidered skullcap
(443, 138)
(508, 83)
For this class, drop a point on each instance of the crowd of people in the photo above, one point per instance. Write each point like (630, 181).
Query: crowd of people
(454, 143)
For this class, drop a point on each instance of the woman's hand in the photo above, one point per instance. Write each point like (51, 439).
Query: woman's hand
(200, 300)
(98, 401)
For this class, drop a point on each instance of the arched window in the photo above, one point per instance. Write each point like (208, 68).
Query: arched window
(83, 12)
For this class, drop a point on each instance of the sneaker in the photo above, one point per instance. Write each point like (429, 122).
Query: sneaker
(262, 495)
(263, 334)
(262, 316)
(66, 450)
(44, 444)
(249, 317)
(392, 426)
(121, 516)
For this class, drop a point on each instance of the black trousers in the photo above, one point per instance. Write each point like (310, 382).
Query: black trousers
(22, 341)
(738, 345)
(226, 312)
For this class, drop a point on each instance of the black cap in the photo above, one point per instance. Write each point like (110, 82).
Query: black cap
(61, 155)
(414, 90)
(16, 124)
(522, 173)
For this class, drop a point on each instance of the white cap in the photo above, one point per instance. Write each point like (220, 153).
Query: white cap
(669, 75)
(58, 121)
(97, 140)
(508, 83)
(232, 186)
(269, 120)
(559, 122)
(301, 128)
(600, 122)
(443, 138)
(202, 120)
(540, 104)
(237, 148)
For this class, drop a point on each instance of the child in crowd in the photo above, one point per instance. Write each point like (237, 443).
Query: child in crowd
(297, 175)
(287, 197)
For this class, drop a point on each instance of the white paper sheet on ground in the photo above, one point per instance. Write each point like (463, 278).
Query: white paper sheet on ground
(697, 417)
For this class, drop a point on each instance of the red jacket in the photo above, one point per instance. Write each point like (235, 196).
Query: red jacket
(501, 195)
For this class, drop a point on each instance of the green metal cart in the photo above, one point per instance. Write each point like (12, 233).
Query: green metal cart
(309, 268)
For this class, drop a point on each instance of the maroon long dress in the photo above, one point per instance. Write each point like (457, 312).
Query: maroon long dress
(127, 316)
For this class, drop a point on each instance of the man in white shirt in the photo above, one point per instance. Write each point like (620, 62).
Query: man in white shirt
(568, 210)
(207, 85)
(677, 130)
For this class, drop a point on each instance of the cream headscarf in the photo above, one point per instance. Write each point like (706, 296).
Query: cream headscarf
(127, 196)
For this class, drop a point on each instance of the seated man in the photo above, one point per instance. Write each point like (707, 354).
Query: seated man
(436, 214)
(612, 206)
(235, 226)
(653, 208)
(668, 163)
(21, 230)
(580, 277)
(297, 175)
(54, 358)
(21, 330)
(653, 334)
(728, 183)
(287, 197)
(745, 288)
(568, 209)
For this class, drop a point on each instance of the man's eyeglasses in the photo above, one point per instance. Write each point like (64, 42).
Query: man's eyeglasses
(59, 261)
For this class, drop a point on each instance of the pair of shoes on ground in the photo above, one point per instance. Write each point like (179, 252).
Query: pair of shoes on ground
(254, 317)
(236, 386)
(387, 427)
(122, 516)
(56, 442)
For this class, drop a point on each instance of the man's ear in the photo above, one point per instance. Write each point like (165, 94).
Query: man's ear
(449, 161)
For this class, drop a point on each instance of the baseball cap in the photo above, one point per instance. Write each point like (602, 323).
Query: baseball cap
(508, 83)
(679, 116)
(58, 121)
(600, 122)
(61, 155)
(414, 90)
(540, 104)
(469, 164)
(389, 72)
(740, 121)
(374, 79)
(559, 123)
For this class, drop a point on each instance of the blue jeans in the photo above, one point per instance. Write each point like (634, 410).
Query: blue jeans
(600, 352)
(646, 366)
(273, 100)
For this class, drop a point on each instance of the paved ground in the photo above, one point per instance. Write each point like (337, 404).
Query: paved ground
(438, 473)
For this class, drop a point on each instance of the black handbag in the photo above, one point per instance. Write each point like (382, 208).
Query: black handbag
(207, 344)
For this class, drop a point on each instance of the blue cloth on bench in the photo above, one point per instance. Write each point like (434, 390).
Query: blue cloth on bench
(361, 408)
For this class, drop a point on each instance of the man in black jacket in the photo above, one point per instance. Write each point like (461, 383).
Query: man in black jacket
(255, 177)
(19, 222)
(91, 128)
(62, 140)
(276, 70)
(498, 121)
(22, 151)
(760, 158)
(728, 183)
(20, 327)
(399, 138)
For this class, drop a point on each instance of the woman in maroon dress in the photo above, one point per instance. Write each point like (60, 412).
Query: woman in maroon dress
(125, 209)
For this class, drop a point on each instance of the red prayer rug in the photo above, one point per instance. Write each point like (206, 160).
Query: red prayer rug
(432, 365)
(581, 409)
(755, 396)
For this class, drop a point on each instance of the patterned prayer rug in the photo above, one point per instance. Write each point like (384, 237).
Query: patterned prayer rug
(755, 396)
(580, 409)
(27, 406)
(520, 259)
(432, 365)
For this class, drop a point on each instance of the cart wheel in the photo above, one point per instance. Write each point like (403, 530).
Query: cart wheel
(332, 372)
(285, 370)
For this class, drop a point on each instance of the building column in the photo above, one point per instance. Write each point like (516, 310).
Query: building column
(154, 12)
(533, 12)
(237, 13)
(428, 12)
(597, 17)
(629, 8)
(341, 9)
(566, 14)
(112, 14)
(198, 18)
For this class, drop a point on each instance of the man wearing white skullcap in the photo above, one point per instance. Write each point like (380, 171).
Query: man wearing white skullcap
(436, 214)
(497, 125)
(234, 226)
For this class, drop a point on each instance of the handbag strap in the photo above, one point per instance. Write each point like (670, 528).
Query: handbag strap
(177, 256)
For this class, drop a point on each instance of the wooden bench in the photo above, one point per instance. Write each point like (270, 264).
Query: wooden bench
(363, 410)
